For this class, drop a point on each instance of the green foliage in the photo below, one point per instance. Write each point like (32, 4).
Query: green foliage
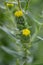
(15, 48)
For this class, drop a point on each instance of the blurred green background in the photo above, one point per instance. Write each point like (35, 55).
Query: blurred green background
(7, 40)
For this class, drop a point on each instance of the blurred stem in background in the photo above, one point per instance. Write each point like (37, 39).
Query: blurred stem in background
(27, 4)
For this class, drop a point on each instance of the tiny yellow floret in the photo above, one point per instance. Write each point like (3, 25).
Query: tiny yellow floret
(18, 13)
(26, 32)
(10, 4)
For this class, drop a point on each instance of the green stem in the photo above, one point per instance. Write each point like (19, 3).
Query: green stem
(19, 4)
(25, 54)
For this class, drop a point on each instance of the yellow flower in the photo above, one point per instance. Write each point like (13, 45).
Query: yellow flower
(10, 4)
(18, 13)
(26, 32)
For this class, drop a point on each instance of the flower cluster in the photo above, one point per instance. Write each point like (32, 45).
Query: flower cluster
(19, 13)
